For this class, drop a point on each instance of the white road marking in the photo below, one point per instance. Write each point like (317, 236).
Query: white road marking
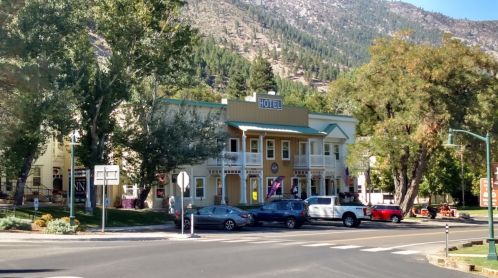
(319, 244)
(185, 239)
(212, 239)
(294, 243)
(296, 233)
(346, 247)
(263, 242)
(375, 249)
(441, 241)
(238, 240)
(406, 252)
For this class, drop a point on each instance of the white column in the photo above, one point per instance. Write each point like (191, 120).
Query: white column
(308, 185)
(243, 182)
(170, 184)
(192, 186)
(260, 189)
(322, 184)
(308, 154)
(223, 190)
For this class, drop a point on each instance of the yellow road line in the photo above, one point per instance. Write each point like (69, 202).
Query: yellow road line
(421, 234)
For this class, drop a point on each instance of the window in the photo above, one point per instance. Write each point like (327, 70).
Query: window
(326, 150)
(269, 182)
(160, 191)
(219, 186)
(312, 147)
(302, 148)
(336, 152)
(36, 176)
(206, 211)
(221, 210)
(312, 201)
(234, 145)
(283, 206)
(296, 206)
(270, 149)
(324, 201)
(314, 191)
(269, 206)
(254, 146)
(285, 150)
(199, 188)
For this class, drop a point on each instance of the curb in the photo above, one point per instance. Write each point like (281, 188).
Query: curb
(85, 239)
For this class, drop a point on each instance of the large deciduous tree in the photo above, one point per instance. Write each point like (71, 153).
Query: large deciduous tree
(139, 40)
(408, 96)
(38, 78)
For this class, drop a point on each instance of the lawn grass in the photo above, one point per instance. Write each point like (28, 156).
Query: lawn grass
(480, 262)
(115, 217)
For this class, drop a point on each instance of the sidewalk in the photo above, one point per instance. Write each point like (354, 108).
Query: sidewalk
(139, 233)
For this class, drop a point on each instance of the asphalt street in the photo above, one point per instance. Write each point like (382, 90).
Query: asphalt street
(375, 249)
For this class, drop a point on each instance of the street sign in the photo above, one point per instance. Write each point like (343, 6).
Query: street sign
(183, 180)
(36, 203)
(111, 176)
(494, 169)
(106, 202)
(485, 195)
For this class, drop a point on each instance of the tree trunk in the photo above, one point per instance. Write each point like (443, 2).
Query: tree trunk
(142, 197)
(21, 181)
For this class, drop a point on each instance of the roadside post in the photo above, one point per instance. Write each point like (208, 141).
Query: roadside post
(106, 175)
(182, 181)
(192, 225)
(447, 232)
(35, 202)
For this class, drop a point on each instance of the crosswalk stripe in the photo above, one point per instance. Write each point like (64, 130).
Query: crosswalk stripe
(238, 240)
(406, 252)
(294, 243)
(262, 242)
(346, 247)
(212, 239)
(376, 249)
(184, 239)
(319, 244)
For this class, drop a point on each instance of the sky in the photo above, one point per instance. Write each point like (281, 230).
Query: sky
(476, 10)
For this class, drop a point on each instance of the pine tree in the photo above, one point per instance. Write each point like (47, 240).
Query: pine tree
(236, 87)
(261, 78)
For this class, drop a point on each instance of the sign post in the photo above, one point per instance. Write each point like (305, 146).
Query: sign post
(182, 181)
(35, 202)
(106, 175)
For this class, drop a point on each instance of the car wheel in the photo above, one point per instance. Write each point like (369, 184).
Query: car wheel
(229, 225)
(357, 223)
(349, 220)
(395, 219)
(186, 223)
(290, 223)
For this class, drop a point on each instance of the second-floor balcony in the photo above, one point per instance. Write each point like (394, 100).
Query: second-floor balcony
(314, 161)
(235, 159)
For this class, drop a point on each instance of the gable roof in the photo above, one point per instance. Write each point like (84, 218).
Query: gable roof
(336, 130)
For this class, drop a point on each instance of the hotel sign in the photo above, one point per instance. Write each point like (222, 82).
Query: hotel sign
(269, 103)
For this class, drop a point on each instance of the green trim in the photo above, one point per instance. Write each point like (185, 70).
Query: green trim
(193, 103)
(285, 129)
(331, 127)
(335, 115)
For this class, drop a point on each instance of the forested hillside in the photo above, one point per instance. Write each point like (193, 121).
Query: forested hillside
(312, 41)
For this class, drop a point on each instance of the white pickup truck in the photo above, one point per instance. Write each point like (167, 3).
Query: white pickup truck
(330, 208)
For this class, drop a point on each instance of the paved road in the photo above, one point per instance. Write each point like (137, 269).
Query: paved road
(210, 257)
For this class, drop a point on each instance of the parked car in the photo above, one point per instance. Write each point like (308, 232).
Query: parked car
(293, 213)
(384, 212)
(226, 217)
(330, 208)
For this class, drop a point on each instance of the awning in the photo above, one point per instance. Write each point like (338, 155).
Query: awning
(287, 129)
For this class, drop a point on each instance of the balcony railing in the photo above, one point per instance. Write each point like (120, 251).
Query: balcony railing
(234, 159)
(302, 161)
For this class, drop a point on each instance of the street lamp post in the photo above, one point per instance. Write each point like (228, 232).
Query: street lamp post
(491, 240)
(71, 205)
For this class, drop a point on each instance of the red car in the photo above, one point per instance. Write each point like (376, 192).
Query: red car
(391, 213)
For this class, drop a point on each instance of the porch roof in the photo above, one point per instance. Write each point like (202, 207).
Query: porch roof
(336, 130)
(287, 129)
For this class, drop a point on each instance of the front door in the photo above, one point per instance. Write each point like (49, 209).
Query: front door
(253, 190)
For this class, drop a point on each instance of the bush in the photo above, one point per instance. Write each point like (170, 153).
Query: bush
(76, 223)
(47, 217)
(41, 223)
(59, 227)
(15, 223)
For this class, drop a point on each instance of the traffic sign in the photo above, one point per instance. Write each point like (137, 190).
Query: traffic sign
(36, 203)
(485, 196)
(106, 202)
(182, 180)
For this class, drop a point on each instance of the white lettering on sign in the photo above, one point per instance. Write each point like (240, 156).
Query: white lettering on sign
(269, 103)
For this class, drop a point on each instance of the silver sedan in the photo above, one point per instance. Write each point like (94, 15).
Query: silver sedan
(226, 217)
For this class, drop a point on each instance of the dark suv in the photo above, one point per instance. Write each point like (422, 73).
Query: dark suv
(391, 213)
(293, 213)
